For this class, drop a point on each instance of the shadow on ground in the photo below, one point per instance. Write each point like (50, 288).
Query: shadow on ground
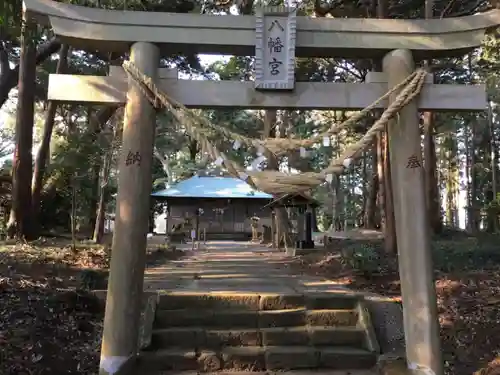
(50, 322)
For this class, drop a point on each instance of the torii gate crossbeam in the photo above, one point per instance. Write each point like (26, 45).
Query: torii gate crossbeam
(103, 30)
(234, 94)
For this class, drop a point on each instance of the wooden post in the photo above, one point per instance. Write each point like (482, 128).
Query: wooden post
(413, 237)
(123, 302)
(273, 229)
(301, 227)
(278, 231)
(193, 238)
(198, 230)
(167, 226)
(167, 215)
(308, 230)
(197, 224)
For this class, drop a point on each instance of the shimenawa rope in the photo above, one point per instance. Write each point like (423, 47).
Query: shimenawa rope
(276, 182)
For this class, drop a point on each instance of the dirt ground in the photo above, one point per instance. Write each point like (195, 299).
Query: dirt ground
(45, 303)
(468, 294)
(50, 322)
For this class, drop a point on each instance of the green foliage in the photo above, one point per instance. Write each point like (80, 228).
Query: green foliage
(10, 20)
(466, 253)
(238, 68)
(176, 6)
(364, 258)
(6, 142)
(453, 252)
(75, 153)
(91, 279)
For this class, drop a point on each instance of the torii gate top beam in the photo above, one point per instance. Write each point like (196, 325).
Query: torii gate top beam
(115, 31)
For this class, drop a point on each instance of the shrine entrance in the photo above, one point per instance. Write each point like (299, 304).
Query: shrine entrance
(275, 36)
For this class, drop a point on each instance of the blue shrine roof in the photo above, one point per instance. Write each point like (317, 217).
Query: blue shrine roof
(211, 187)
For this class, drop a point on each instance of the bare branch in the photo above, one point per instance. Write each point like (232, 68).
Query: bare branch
(4, 60)
(447, 8)
(9, 80)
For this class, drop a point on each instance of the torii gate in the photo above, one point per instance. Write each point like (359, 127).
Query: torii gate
(147, 36)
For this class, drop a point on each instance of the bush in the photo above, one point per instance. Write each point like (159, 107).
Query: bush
(364, 258)
(450, 254)
(481, 252)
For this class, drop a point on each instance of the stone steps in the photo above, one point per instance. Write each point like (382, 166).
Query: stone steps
(258, 358)
(291, 372)
(254, 319)
(213, 332)
(196, 337)
(256, 301)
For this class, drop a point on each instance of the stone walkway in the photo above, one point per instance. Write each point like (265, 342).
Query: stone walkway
(245, 268)
(234, 267)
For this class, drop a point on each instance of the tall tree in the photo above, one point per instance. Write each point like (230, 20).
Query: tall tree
(20, 221)
(43, 149)
(432, 195)
(388, 223)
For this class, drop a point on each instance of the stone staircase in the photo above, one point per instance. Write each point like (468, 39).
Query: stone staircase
(217, 331)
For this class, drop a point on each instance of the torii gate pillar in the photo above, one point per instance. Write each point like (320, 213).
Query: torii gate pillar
(121, 320)
(421, 325)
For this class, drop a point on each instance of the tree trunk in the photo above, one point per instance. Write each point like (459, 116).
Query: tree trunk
(492, 214)
(165, 165)
(381, 179)
(101, 206)
(101, 213)
(371, 201)
(97, 124)
(338, 207)
(9, 79)
(382, 9)
(73, 211)
(346, 207)
(4, 61)
(43, 150)
(94, 176)
(338, 204)
(473, 209)
(314, 223)
(468, 226)
(20, 222)
(101, 118)
(390, 221)
(270, 117)
(281, 215)
(494, 165)
(488, 162)
(384, 176)
(193, 150)
(283, 224)
(431, 188)
(451, 181)
(360, 218)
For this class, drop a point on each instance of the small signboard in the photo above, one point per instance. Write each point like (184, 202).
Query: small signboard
(275, 34)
